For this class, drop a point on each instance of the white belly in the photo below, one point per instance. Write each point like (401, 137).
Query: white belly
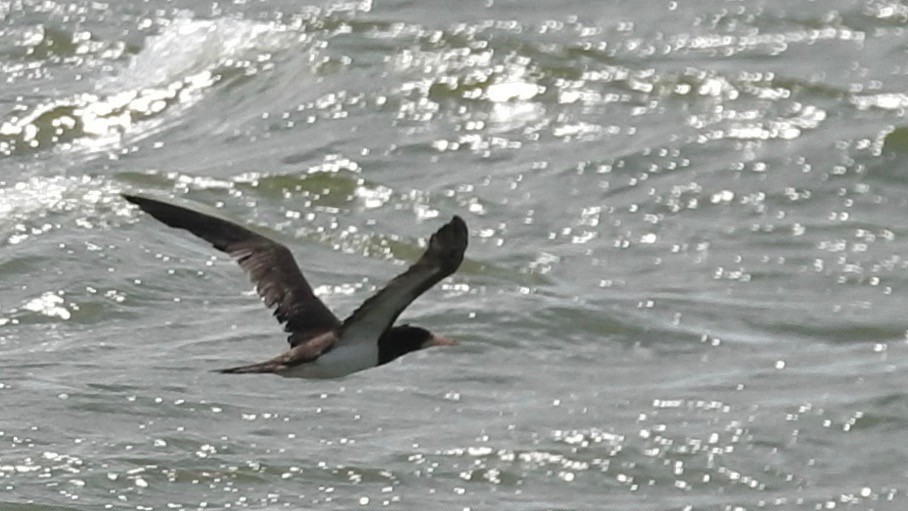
(340, 361)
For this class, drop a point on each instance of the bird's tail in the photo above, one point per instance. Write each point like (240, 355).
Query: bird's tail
(264, 367)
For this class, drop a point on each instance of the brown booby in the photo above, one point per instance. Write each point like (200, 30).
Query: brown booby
(322, 346)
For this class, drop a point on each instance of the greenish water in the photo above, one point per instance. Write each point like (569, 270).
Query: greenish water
(685, 287)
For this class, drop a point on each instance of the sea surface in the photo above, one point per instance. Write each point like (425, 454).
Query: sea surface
(686, 286)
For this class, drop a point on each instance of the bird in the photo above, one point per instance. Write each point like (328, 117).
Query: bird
(322, 346)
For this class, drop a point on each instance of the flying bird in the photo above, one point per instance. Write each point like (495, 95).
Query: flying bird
(322, 346)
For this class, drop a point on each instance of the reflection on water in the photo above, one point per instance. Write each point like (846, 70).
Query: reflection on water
(683, 286)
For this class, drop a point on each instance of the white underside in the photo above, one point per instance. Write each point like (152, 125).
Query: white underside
(345, 358)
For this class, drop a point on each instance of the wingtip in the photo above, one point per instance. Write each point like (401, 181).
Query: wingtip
(459, 226)
(453, 234)
(457, 221)
(130, 197)
(138, 200)
(449, 243)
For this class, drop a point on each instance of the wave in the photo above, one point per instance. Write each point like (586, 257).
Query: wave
(171, 72)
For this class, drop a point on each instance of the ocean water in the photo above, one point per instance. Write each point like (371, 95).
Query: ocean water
(686, 286)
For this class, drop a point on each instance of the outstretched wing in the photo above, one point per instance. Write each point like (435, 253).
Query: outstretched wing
(378, 313)
(269, 265)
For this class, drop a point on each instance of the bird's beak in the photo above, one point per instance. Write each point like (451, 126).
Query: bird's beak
(437, 340)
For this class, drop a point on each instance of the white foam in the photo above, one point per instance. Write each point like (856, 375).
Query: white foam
(170, 73)
(48, 304)
(188, 47)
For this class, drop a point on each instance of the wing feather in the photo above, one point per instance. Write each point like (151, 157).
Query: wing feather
(269, 265)
(378, 313)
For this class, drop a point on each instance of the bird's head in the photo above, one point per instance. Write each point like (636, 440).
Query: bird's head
(400, 340)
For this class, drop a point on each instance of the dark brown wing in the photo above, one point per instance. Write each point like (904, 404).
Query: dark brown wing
(378, 313)
(270, 266)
